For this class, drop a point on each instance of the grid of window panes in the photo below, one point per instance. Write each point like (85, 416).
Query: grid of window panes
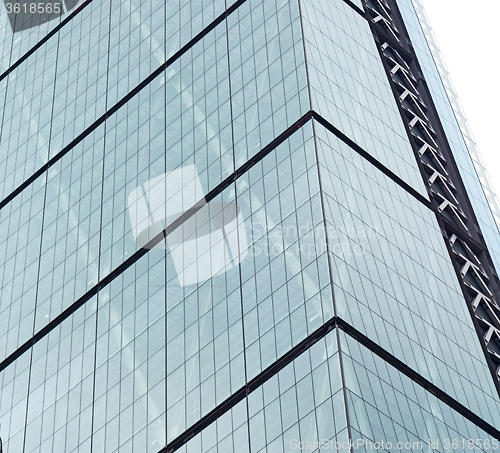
(385, 405)
(148, 355)
(349, 86)
(303, 403)
(394, 280)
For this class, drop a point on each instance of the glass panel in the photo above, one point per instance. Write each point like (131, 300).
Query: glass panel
(393, 277)
(386, 407)
(349, 86)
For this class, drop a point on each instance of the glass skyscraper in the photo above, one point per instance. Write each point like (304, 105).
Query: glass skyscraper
(240, 226)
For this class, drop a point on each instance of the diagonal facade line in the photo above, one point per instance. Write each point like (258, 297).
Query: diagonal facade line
(192, 211)
(49, 35)
(296, 351)
(253, 385)
(367, 156)
(158, 238)
(120, 104)
(355, 7)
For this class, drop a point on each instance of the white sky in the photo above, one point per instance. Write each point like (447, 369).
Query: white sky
(468, 34)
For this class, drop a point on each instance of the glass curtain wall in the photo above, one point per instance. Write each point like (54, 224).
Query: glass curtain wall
(208, 210)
